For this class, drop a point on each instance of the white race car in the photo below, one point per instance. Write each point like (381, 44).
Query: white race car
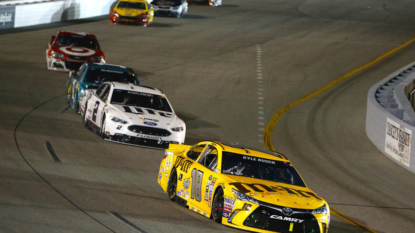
(132, 114)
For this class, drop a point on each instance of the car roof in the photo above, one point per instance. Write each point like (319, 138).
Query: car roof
(137, 88)
(108, 67)
(249, 151)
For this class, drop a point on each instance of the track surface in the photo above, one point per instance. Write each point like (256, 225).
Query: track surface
(207, 64)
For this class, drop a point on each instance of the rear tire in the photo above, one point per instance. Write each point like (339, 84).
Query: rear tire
(172, 185)
(217, 206)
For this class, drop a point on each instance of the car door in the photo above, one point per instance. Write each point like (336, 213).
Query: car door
(95, 105)
(203, 179)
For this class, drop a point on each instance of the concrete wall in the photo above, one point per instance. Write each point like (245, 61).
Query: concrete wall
(389, 117)
(24, 13)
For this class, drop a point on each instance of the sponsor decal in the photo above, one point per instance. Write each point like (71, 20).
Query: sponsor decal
(398, 142)
(119, 127)
(229, 203)
(180, 177)
(148, 136)
(160, 176)
(262, 188)
(7, 17)
(77, 51)
(288, 219)
(149, 119)
(179, 193)
(186, 183)
(149, 123)
(211, 185)
(139, 93)
(207, 191)
(182, 164)
(210, 177)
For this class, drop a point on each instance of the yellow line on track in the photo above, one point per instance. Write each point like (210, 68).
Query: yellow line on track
(274, 120)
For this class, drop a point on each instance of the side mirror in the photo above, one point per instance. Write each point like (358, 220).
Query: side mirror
(53, 37)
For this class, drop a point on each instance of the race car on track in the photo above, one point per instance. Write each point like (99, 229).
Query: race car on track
(205, 2)
(177, 8)
(132, 12)
(69, 50)
(249, 189)
(132, 114)
(91, 76)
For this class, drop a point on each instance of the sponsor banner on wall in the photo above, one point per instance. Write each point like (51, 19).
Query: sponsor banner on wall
(398, 142)
(7, 16)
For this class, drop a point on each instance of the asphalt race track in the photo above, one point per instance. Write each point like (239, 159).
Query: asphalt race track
(207, 63)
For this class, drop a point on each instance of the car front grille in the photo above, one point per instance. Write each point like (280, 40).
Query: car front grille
(149, 131)
(73, 65)
(128, 18)
(78, 58)
(271, 220)
(140, 141)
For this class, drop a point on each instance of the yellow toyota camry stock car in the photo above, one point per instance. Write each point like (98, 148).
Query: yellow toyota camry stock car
(132, 12)
(245, 188)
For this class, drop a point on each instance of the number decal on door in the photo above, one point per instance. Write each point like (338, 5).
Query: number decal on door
(94, 114)
(197, 177)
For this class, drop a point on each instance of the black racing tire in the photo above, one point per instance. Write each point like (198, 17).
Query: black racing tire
(85, 110)
(76, 103)
(103, 127)
(218, 205)
(172, 185)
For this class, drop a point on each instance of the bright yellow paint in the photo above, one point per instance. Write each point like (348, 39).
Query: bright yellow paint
(274, 120)
(197, 184)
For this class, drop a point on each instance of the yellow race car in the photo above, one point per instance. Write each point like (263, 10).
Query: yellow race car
(245, 188)
(132, 12)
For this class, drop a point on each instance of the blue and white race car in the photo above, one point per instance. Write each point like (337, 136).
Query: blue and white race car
(132, 114)
(91, 76)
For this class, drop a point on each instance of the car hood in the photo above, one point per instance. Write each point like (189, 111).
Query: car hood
(147, 117)
(77, 51)
(276, 193)
(129, 12)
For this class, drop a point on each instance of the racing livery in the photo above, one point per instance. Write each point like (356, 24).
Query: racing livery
(205, 2)
(132, 114)
(69, 50)
(177, 8)
(132, 12)
(253, 190)
(91, 76)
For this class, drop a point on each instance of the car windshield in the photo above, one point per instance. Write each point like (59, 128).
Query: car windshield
(77, 40)
(168, 2)
(140, 99)
(259, 168)
(98, 76)
(132, 5)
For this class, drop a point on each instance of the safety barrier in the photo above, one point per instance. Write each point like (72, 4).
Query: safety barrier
(22, 13)
(390, 118)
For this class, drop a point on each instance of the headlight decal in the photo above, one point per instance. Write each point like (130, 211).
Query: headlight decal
(244, 197)
(116, 119)
(178, 129)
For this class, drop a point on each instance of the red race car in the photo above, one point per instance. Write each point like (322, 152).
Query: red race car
(69, 50)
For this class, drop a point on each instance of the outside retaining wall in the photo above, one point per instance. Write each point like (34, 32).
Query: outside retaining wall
(390, 129)
(35, 12)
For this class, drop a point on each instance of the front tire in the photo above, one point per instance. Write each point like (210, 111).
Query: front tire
(172, 185)
(103, 127)
(218, 205)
